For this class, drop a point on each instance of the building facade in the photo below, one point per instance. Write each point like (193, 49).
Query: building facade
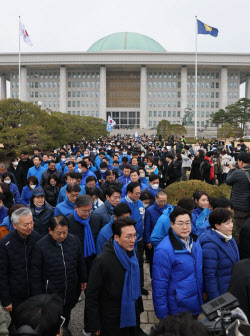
(129, 77)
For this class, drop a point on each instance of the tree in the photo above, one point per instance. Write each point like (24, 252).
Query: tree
(225, 131)
(177, 130)
(163, 128)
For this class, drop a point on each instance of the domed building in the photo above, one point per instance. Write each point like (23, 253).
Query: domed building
(130, 77)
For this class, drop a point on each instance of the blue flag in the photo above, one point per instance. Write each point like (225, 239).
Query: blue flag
(205, 29)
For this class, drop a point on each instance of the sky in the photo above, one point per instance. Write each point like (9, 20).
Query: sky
(75, 25)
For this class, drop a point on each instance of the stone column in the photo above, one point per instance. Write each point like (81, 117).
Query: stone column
(63, 89)
(23, 84)
(3, 86)
(103, 93)
(247, 89)
(223, 88)
(143, 98)
(183, 89)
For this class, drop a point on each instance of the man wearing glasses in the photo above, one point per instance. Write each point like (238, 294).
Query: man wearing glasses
(57, 266)
(177, 269)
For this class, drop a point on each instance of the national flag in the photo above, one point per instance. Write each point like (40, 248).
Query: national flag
(110, 124)
(111, 121)
(205, 29)
(23, 32)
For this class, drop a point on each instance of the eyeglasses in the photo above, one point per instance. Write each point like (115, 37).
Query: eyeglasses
(85, 212)
(132, 237)
(181, 224)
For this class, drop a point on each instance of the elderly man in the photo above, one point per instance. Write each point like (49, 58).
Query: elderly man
(15, 256)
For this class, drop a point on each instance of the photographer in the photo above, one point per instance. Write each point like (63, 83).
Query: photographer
(225, 160)
(239, 179)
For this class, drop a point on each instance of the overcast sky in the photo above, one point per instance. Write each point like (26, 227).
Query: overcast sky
(75, 25)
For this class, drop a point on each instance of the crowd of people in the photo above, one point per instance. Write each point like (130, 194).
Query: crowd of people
(85, 217)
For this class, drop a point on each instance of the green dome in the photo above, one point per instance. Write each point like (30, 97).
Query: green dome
(126, 41)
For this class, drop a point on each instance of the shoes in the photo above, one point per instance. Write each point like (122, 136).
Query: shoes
(144, 291)
(85, 333)
(66, 332)
(140, 332)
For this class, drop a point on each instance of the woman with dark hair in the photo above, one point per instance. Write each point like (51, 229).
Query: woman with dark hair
(220, 252)
(202, 211)
(150, 167)
(8, 178)
(52, 189)
(8, 200)
(95, 195)
(42, 212)
(32, 183)
(178, 164)
(195, 173)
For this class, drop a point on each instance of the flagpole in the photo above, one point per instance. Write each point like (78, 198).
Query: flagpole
(195, 101)
(19, 60)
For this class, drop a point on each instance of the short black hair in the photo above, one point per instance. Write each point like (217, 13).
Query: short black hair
(93, 192)
(51, 161)
(73, 187)
(244, 157)
(132, 185)
(198, 194)
(170, 156)
(121, 222)
(32, 179)
(112, 189)
(72, 175)
(126, 167)
(145, 195)
(210, 153)
(37, 156)
(178, 211)
(182, 324)
(153, 177)
(90, 178)
(24, 152)
(83, 164)
(121, 209)
(103, 165)
(219, 216)
(2, 197)
(222, 202)
(110, 172)
(134, 171)
(70, 162)
(58, 220)
(187, 204)
(84, 200)
(40, 314)
(124, 159)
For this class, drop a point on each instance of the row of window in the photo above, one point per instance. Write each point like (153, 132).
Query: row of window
(165, 94)
(164, 85)
(83, 94)
(164, 74)
(164, 104)
(83, 74)
(38, 75)
(203, 85)
(83, 104)
(92, 85)
(203, 94)
(171, 114)
(202, 123)
(203, 104)
(85, 113)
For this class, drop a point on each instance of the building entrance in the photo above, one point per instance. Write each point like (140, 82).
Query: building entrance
(125, 119)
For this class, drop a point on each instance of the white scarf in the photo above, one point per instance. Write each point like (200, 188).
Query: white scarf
(227, 238)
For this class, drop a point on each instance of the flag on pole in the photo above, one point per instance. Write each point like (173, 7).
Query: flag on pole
(23, 32)
(136, 134)
(207, 30)
(110, 124)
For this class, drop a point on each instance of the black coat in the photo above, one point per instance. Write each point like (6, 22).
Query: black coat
(26, 165)
(244, 244)
(195, 170)
(15, 259)
(42, 221)
(106, 184)
(58, 269)
(240, 194)
(47, 173)
(20, 176)
(239, 285)
(51, 194)
(77, 229)
(171, 173)
(104, 291)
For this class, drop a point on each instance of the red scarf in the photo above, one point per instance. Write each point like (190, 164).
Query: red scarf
(211, 176)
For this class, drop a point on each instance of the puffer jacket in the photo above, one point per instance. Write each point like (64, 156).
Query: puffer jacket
(51, 194)
(104, 213)
(240, 194)
(42, 220)
(177, 278)
(15, 261)
(58, 269)
(219, 257)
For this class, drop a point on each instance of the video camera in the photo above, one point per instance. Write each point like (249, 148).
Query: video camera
(223, 317)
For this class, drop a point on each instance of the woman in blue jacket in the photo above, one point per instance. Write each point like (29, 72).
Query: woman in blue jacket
(201, 212)
(32, 183)
(220, 252)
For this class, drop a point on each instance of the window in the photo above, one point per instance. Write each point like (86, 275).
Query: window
(69, 94)
(217, 104)
(159, 114)
(212, 94)
(164, 114)
(155, 113)
(69, 103)
(217, 85)
(212, 104)
(169, 114)
(236, 95)
(217, 94)
(178, 114)
(69, 84)
(202, 114)
(174, 114)
(207, 114)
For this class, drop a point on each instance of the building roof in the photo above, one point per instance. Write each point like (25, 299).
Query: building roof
(126, 41)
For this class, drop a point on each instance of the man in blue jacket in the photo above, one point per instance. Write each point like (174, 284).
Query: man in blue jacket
(125, 178)
(69, 179)
(83, 167)
(37, 169)
(154, 187)
(152, 215)
(67, 207)
(134, 177)
(177, 278)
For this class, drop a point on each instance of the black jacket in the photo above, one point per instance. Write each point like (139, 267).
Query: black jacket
(106, 184)
(171, 173)
(15, 259)
(58, 269)
(20, 176)
(42, 221)
(240, 194)
(77, 229)
(244, 244)
(51, 194)
(26, 165)
(195, 170)
(239, 285)
(104, 213)
(47, 173)
(104, 290)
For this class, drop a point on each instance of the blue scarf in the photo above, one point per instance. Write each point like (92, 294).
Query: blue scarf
(109, 206)
(131, 287)
(89, 244)
(204, 215)
(153, 192)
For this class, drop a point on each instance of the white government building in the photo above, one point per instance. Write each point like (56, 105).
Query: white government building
(130, 77)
